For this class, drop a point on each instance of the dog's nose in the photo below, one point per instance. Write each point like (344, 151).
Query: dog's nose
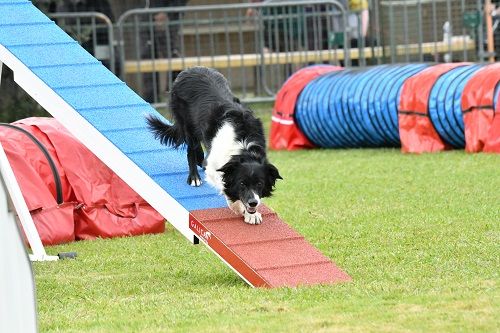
(253, 203)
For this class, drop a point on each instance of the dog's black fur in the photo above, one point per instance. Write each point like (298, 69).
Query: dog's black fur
(201, 103)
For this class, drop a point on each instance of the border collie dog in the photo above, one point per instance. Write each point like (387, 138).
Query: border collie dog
(207, 114)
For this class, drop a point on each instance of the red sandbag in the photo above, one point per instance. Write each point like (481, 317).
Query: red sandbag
(492, 143)
(416, 131)
(107, 207)
(285, 133)
(54, 222)
(478, 108)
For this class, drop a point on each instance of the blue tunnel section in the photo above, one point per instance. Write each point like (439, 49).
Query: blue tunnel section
(354, 107)
(445, 109)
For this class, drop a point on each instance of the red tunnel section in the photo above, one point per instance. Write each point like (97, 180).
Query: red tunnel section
(482, 129)
(284, 132)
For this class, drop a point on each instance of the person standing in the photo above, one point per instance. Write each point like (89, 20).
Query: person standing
(163, 41)
(358, 20)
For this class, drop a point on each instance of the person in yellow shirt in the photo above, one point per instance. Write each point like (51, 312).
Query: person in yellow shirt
(358, 19)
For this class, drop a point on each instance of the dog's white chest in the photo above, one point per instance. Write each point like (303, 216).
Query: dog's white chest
(223, 147)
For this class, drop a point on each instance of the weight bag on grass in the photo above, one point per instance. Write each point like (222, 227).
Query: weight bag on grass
(284, 132)
(478, 105)
(106, 206)
(492, 144)
(42, 180)
(417, 133)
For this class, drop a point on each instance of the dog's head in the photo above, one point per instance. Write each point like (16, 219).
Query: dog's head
(249, 180)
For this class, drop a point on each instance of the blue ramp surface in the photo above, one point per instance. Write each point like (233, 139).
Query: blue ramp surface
(99, 97)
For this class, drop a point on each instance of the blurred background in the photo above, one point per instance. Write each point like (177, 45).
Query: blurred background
(256, 44)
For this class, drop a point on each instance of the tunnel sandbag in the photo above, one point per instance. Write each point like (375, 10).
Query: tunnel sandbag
(354, 107)
(479, 109)
(445, 104)
(416, 130)
(492, 144)
(284, 132)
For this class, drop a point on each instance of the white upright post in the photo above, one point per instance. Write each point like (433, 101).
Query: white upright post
(17, 287)
(29, 228)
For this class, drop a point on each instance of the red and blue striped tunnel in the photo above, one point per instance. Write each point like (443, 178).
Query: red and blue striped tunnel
(419, 107)
(353, 107)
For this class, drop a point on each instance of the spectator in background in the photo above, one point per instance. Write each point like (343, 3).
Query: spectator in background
(495, 13)
(280, 34)
(160, 42)
(357, 22)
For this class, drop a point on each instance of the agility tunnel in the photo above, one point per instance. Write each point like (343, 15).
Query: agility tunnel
(108, 118)
(418, 107)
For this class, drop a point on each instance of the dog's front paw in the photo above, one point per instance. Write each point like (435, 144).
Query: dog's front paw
(194, 181)
(255, 218)
(237, 207)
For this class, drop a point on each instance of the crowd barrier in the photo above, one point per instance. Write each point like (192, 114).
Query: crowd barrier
(418, 107)
(258, 45)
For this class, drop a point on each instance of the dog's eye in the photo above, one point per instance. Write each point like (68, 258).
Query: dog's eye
(242, 184)
(259, 184)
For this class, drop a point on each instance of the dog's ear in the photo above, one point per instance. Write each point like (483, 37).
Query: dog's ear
(229, 167)
(273, 174)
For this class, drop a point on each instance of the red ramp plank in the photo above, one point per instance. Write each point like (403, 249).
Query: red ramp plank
(267, 255)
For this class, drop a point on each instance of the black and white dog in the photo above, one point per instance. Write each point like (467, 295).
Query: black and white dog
(206, 113)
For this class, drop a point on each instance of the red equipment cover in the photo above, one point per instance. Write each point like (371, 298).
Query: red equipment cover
(416, 131)
(53, 221)
(285, 133)
(478, 109)
(97, 202)
(107, 206)
(492, 144)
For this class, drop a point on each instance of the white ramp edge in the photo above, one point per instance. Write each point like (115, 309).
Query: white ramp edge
(17, 287)
(96, 142)
(12, 188)
(16, 196)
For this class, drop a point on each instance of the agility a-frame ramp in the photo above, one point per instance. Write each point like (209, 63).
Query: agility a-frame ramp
(108, 118)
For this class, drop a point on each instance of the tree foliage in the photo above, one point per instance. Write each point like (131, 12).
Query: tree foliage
(15, 103)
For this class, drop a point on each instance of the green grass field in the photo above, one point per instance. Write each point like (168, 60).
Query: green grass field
(419, 234)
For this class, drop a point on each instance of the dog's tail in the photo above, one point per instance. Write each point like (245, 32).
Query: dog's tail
(168, 135)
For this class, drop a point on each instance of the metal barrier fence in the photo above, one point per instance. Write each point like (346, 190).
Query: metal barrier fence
(93, 30)
(258, 45)
(423, 30)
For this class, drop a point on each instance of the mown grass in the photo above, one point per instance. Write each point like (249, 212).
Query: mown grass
(419, 234)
